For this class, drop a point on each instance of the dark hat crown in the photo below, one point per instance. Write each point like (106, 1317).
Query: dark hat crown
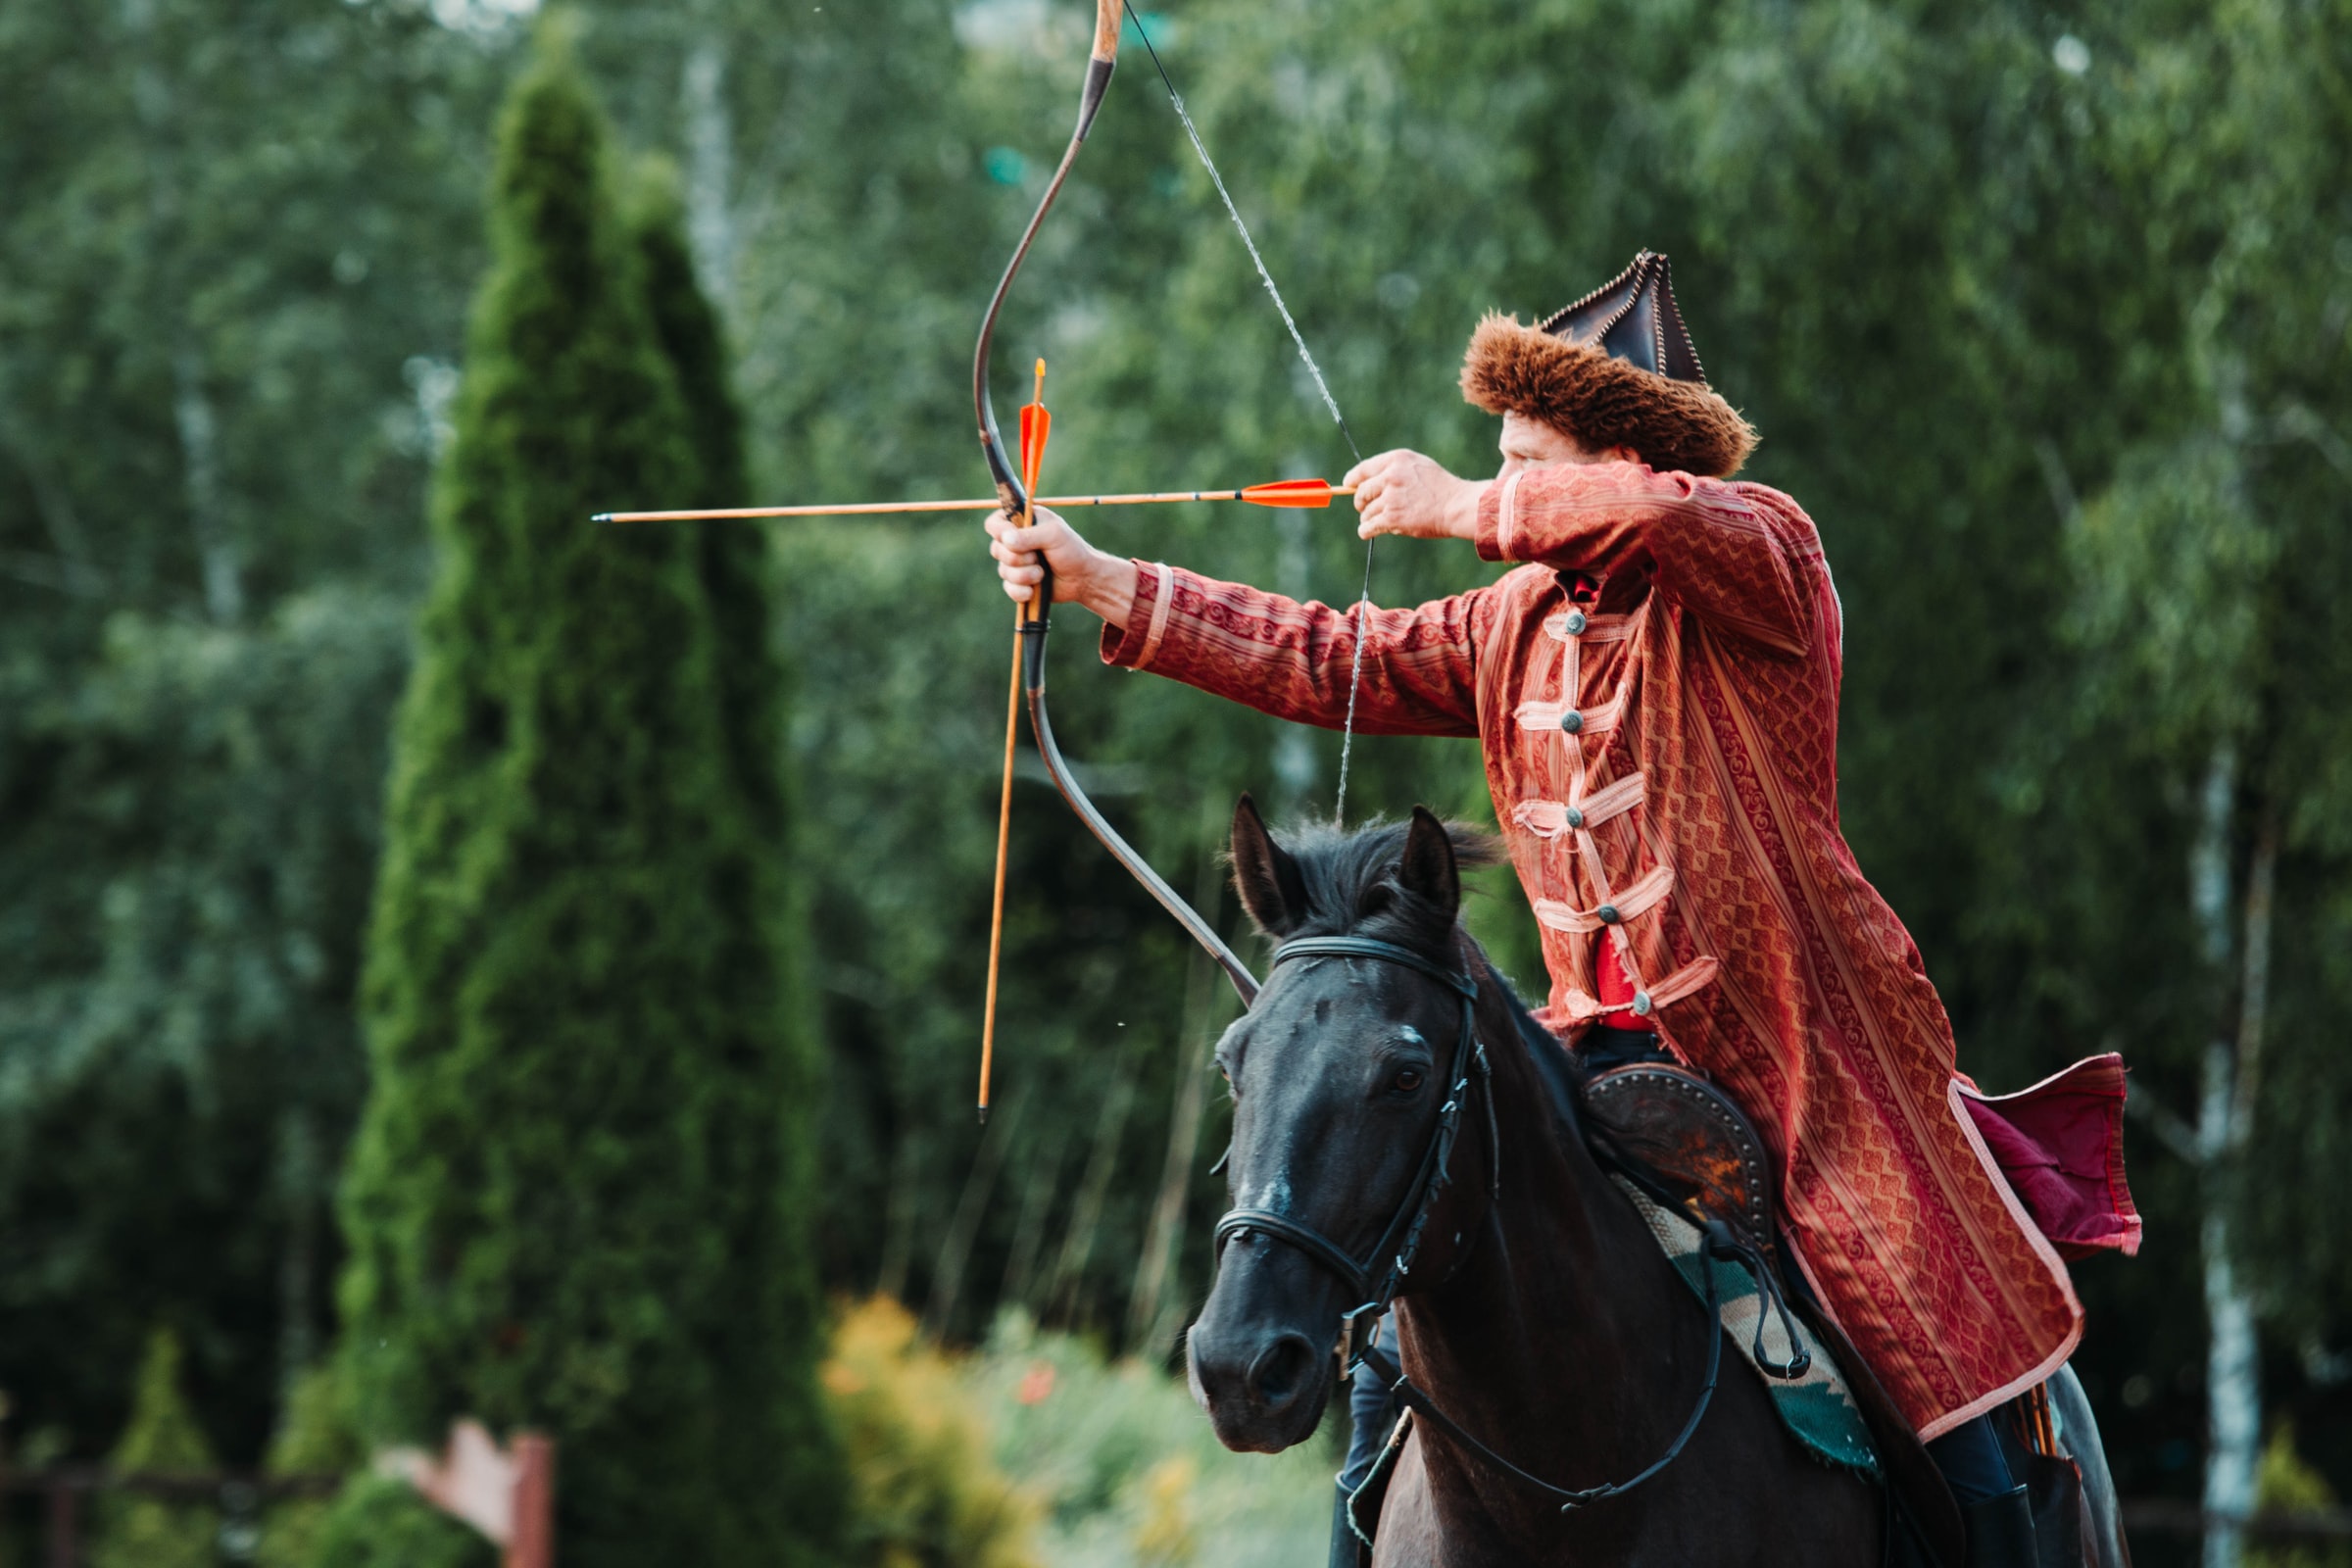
(1633, 317)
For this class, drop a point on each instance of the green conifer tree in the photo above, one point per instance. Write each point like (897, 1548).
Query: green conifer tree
(161, 1439)
(314, 1437)
(571, 1200)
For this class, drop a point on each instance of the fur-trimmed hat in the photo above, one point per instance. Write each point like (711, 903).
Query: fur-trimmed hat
(1615, 368)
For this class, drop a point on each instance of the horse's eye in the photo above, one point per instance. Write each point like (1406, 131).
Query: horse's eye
(1408, 1080)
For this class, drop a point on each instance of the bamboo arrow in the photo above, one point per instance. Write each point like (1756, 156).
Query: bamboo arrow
(1036, 425)
(1299, 493)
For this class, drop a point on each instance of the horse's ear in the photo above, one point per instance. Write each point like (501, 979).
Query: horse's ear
(1428, 870)
(1266, 878)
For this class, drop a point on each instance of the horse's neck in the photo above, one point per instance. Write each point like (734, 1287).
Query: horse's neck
(1541, 1341)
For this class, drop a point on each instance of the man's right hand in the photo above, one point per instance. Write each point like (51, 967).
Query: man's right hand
(1102, 583)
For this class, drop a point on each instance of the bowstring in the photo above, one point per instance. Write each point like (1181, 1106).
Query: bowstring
(1363, 597)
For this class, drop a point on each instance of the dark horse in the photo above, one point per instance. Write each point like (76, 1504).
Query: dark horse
(1537, 1311)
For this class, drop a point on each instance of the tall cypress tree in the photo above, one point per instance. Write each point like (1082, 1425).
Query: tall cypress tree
(799, 1468)
(573, 1200)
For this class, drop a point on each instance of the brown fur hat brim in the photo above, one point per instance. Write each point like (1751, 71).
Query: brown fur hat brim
(1603, 401)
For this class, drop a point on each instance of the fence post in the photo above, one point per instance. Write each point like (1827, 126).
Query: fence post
(534, 1543)
(65, 1524)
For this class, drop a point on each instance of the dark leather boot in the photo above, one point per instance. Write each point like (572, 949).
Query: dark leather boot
(2000, 1532)
(1348, 1549)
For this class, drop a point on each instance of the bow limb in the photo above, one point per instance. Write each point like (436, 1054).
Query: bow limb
(1015, 498)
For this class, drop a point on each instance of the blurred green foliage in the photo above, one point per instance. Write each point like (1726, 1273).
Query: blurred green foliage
(2042, 310)
(928, 1491)
(576, 1200)
(381, 1522)
(163, 1439)
(317, 1436)
(1117, 1454)
(1036, 1448)
(2288, 1485)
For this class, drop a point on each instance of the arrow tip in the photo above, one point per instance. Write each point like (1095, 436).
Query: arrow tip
(602, 516)
(983, 1116)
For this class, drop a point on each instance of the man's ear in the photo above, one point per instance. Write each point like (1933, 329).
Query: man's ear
(1428, 870)
(1268, 879)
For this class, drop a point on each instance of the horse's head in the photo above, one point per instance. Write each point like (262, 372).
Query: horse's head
(1339, 1072)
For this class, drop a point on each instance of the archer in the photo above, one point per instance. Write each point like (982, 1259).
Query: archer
(1655, 691)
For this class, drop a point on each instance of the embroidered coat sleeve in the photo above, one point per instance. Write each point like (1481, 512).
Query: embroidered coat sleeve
(1295, 661)
(1716, 548)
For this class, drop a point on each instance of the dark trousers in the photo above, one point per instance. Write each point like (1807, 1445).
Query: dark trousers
(1373, 1409)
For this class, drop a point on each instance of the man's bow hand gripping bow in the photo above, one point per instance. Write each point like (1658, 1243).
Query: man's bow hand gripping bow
(1656, 692)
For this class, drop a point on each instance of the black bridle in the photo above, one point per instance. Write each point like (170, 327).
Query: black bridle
(1400, 1241)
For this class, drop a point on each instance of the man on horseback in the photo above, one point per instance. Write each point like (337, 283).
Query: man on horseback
(1655, 691)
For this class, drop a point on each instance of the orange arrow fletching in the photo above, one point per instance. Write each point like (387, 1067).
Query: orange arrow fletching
(1036, 425)
(1291, 492)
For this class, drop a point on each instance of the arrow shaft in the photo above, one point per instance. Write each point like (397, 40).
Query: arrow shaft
(1151, 498)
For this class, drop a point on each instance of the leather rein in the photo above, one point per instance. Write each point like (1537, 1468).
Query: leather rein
(1400, 1241)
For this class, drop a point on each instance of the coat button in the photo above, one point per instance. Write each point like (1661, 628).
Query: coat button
(1576, 819)
(1607, 913)
(1576, 622)
(1572, 722)
(1642, 1003)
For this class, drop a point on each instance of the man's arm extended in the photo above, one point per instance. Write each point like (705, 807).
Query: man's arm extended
(1715, 547)
(1291, 660)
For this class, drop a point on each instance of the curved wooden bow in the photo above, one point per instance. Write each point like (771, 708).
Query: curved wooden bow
(1034, 618)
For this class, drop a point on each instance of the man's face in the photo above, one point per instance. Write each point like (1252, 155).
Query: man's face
(1532, 444)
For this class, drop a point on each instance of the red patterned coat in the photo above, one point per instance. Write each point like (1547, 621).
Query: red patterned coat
(1661, 745)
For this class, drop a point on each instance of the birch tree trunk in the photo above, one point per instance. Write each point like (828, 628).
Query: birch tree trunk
(222, 563)
(2224, 1127)
(163, 151)
(709, 170)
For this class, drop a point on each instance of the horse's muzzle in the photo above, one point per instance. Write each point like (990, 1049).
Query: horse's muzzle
(1260, 1366)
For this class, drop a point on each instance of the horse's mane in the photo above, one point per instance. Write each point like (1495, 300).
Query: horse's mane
(1563, 1080)
(1352, 889)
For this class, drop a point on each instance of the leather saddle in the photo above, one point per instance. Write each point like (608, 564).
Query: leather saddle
(1679, 1135)
(1688, 1137)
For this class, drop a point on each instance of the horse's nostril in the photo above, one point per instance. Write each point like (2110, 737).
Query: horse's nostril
(1281, 1370)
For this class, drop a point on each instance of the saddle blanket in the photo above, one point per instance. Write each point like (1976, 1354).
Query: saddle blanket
(1818, 1409)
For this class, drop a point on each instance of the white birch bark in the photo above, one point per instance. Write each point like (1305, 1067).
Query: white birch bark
(709, 171)
(217, 557)
(2225, 1129)
(220, 563)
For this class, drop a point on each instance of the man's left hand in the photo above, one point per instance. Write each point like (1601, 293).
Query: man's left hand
(1403, 492)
